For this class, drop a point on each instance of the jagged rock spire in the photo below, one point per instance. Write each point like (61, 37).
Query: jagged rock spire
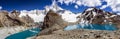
(53, 7)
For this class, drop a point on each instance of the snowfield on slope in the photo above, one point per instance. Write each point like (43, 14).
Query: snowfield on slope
(36, 17)
(69, 16)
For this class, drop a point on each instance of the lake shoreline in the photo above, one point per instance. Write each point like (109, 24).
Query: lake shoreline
(6, 31)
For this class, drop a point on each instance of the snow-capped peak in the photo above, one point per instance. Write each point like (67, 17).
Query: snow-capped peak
(89, 9)
(65, 14)
(69, 16)
(36, 15)
(53, 7)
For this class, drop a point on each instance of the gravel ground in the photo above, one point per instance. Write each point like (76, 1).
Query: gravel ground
(82, 34)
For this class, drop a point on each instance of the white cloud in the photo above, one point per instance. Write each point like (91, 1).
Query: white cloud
(113, 4)
(0, 7)
(78, 3)
(67, 2)
(76, 6)
(104, 6)
(61, 1)
(89, 3)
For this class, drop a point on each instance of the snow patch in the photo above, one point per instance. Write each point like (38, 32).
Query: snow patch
(89, 9)
(113, 15)
(94, 13)
(69, 16)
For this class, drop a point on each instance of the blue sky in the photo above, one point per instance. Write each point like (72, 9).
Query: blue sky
(69, 4)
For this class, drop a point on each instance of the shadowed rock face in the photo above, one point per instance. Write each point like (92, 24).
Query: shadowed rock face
(52, 22)
(3, 17)
(7, 20)
(14, 14)
(50, 19)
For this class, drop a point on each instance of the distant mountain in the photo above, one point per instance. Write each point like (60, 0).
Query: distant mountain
(38, 15)
(89, 16)
(98, 16)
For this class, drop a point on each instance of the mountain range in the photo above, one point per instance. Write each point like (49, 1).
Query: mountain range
(54, 18)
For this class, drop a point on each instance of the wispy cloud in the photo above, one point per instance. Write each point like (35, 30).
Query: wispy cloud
(113, 4)
(89, 3)
(104, 6)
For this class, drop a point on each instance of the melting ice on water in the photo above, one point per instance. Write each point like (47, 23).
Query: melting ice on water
(92, 27)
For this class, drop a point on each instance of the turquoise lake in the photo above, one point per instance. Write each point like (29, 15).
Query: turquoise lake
(109, 27)
(32, 32)
(24, 34)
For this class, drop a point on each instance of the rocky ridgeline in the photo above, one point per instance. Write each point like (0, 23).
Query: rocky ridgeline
(98, 16)
(10, 23)
(12, 19)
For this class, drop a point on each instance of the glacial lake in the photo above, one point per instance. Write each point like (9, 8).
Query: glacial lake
(24, 34)
(109, 27)
(32, 32)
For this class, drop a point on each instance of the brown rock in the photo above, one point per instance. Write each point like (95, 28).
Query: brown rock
(52, 22)
(27, 20)
(12, 19)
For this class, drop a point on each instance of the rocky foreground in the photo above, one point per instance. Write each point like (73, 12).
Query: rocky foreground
(82, 34)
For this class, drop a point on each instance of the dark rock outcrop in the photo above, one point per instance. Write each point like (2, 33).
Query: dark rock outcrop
(27, 20)
(52, 22)
(14, 14)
